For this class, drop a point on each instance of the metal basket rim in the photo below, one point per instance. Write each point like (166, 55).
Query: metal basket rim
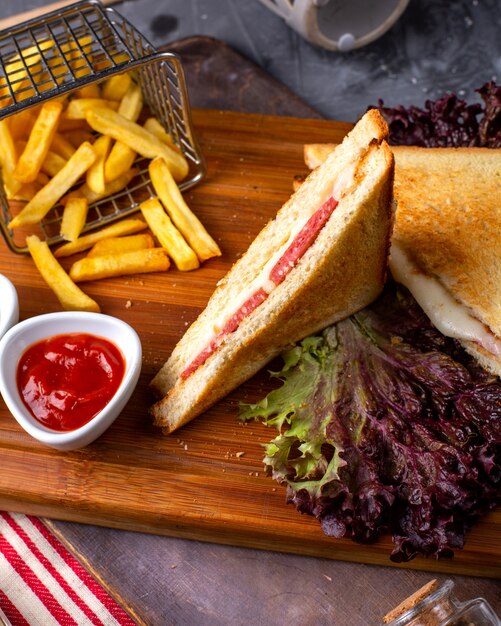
(135, 63)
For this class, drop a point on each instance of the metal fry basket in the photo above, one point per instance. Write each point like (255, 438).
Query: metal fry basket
(69, 49)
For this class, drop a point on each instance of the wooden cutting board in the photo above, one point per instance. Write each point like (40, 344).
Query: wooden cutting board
(206, 481)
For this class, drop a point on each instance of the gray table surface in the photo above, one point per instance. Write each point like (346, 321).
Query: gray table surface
(436, 47)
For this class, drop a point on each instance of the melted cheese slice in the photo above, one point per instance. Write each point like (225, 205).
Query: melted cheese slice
(449, 316)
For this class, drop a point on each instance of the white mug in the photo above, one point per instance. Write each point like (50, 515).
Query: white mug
(340, 25)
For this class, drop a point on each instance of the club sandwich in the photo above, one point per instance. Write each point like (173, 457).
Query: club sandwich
(322, 258)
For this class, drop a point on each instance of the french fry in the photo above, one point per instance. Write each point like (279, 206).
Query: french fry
(110, 189)
(122, 157)
(62, 146)
(168, 235)
(154, 126)
(53, 163)
(316, 153)
(21, 123)
(184, 219)
(116, 87)
(16, 70)
(78, 108)
(297, 181)
(109, 122)
(95, 173)
(42, 179)
(47, 197)
(81, 68)
(71, 297)
(62, 98)
(74, 216)
(118, 245)
(104, 63)
(101, 62)
(80, 49)
(131, 104)
(8, 159)
(89, 91)
(25, 193)
(124, 227)
(78, 136)
(39, 142)
(135, 262)
(58, 70)
(67, 55)
(66, 125)
(42, 80)
(20, 145)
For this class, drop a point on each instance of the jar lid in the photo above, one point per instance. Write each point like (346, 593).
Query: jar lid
(430, 603)
(412, 601)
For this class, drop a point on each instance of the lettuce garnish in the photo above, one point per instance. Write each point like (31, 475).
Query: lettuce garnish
(386, 426)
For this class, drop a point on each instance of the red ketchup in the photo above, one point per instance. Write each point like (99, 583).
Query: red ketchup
(66, 380)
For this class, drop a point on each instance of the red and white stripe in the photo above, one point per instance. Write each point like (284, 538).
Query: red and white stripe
(42, 583)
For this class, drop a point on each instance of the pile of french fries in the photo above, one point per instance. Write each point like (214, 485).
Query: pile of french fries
(78, 150)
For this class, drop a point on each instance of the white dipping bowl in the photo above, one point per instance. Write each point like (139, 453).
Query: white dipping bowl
(14, 343)
(9, 305)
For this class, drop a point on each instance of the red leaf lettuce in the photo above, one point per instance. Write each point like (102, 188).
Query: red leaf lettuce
(386, 426)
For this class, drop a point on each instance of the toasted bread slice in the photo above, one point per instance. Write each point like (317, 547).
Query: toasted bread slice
(448, 223)
(341, 272)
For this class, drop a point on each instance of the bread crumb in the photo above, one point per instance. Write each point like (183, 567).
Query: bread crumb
(329, 578)
(128, 304)
(239, 455)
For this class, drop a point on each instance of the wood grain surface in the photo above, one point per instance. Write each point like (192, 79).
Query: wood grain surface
(206, 481)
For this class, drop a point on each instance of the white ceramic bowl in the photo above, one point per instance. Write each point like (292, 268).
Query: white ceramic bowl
(9, 305)
(30, 331)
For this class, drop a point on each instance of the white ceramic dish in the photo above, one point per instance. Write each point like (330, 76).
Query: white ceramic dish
(9, 305)
(24, 334)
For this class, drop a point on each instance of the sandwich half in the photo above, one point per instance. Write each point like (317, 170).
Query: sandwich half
(446, 243)
(323, 257)
(446, 247)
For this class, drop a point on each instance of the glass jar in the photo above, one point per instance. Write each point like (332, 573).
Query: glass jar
(436, 605)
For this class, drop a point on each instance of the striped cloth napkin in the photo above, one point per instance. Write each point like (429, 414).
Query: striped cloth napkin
(41, 583)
